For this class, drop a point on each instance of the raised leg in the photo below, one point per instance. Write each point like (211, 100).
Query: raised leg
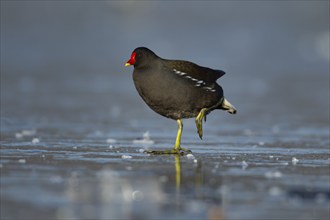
(177, 147)
(221, 104)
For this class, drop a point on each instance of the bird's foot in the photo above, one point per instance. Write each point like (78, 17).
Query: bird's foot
(179, 151)
(199, 122)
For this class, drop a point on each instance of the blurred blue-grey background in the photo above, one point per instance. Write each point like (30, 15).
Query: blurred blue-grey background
(66, 59)
(72, 121)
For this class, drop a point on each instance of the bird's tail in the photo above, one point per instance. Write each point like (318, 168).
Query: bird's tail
(227, 106)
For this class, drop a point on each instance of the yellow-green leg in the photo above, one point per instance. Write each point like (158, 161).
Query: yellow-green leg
(199, 121)
(204, 111)
(177, 148)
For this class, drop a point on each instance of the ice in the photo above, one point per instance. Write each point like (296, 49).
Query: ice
(145, 140)
(137, 195)
(23, 133)
(96, 133)
(146, 135)
(35, 141)
(321, 198)
(126, 157)
(111, 146)
(248, 132)
(19, 135)
(56, 179)
(273, 174)
(190, 156)
(275, 191)
(22, 161)
(244, 165)
(163, 179)
(261, 143)
(294, 160)
(111, 141)
(28, 132)
(271, 156)
(141, 150)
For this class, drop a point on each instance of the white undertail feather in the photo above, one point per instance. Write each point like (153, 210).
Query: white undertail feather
(228, 107)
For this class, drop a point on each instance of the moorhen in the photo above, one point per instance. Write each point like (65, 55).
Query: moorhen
(177, 89)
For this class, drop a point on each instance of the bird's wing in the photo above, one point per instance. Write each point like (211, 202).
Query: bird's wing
(193, 70)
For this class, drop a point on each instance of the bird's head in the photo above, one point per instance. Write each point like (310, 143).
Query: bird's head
(140, 57)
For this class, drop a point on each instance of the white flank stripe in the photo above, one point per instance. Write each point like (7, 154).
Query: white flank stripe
(208, 88)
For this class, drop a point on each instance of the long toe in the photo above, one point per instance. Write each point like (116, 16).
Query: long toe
(199, 126)
(180, 151)
(172, 151)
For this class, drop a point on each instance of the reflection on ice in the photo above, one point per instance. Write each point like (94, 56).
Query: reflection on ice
(112, 195)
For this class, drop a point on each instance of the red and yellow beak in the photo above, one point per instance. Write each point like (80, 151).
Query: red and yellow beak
(132, 60)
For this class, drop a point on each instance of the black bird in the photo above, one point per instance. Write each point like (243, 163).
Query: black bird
(177, 89)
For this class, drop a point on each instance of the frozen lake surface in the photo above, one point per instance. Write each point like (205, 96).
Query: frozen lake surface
(72, 171)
